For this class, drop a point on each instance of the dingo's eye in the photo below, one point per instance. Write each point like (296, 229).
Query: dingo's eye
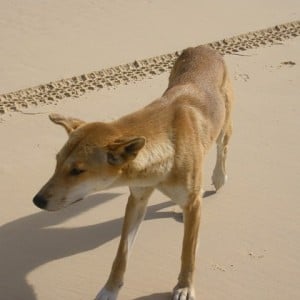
(76, 172)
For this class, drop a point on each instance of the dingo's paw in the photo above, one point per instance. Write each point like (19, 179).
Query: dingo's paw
(184, 294)
(105, 294)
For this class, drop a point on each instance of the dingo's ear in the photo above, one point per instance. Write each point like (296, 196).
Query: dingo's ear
(70, 124)
(123, 150)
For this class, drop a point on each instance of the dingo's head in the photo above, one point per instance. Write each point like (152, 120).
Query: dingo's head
(91, 160)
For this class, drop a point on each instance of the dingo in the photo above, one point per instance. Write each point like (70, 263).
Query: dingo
(161, 146)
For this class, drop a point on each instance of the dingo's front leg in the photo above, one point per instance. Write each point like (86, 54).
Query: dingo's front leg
(184, 289)
(135, 212)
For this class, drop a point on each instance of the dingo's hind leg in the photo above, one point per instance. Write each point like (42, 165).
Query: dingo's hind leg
(219, 176)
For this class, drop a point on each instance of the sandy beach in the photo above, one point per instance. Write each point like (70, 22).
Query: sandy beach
(250, 233)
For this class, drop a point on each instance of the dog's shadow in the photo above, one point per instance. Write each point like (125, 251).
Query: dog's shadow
(157, 296)
(32, 241)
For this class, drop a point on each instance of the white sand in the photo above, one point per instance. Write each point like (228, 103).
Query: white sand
(249, 241)
(42, 41)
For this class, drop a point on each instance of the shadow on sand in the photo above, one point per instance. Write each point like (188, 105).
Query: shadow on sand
(30, 242)
(158, 296)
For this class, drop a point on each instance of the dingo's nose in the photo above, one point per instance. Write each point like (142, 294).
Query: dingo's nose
(40, 201)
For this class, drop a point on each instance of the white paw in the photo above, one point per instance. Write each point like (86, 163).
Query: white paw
(218, 179)
(184, 294)
(105, 294)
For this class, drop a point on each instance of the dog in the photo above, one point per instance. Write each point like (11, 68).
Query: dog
(161, 146)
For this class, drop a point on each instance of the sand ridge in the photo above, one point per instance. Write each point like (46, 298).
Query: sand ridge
(137, 70)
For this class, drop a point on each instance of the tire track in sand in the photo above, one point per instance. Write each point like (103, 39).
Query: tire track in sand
(137, 70)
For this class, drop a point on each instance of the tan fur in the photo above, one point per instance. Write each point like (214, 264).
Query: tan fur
(161, 146)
